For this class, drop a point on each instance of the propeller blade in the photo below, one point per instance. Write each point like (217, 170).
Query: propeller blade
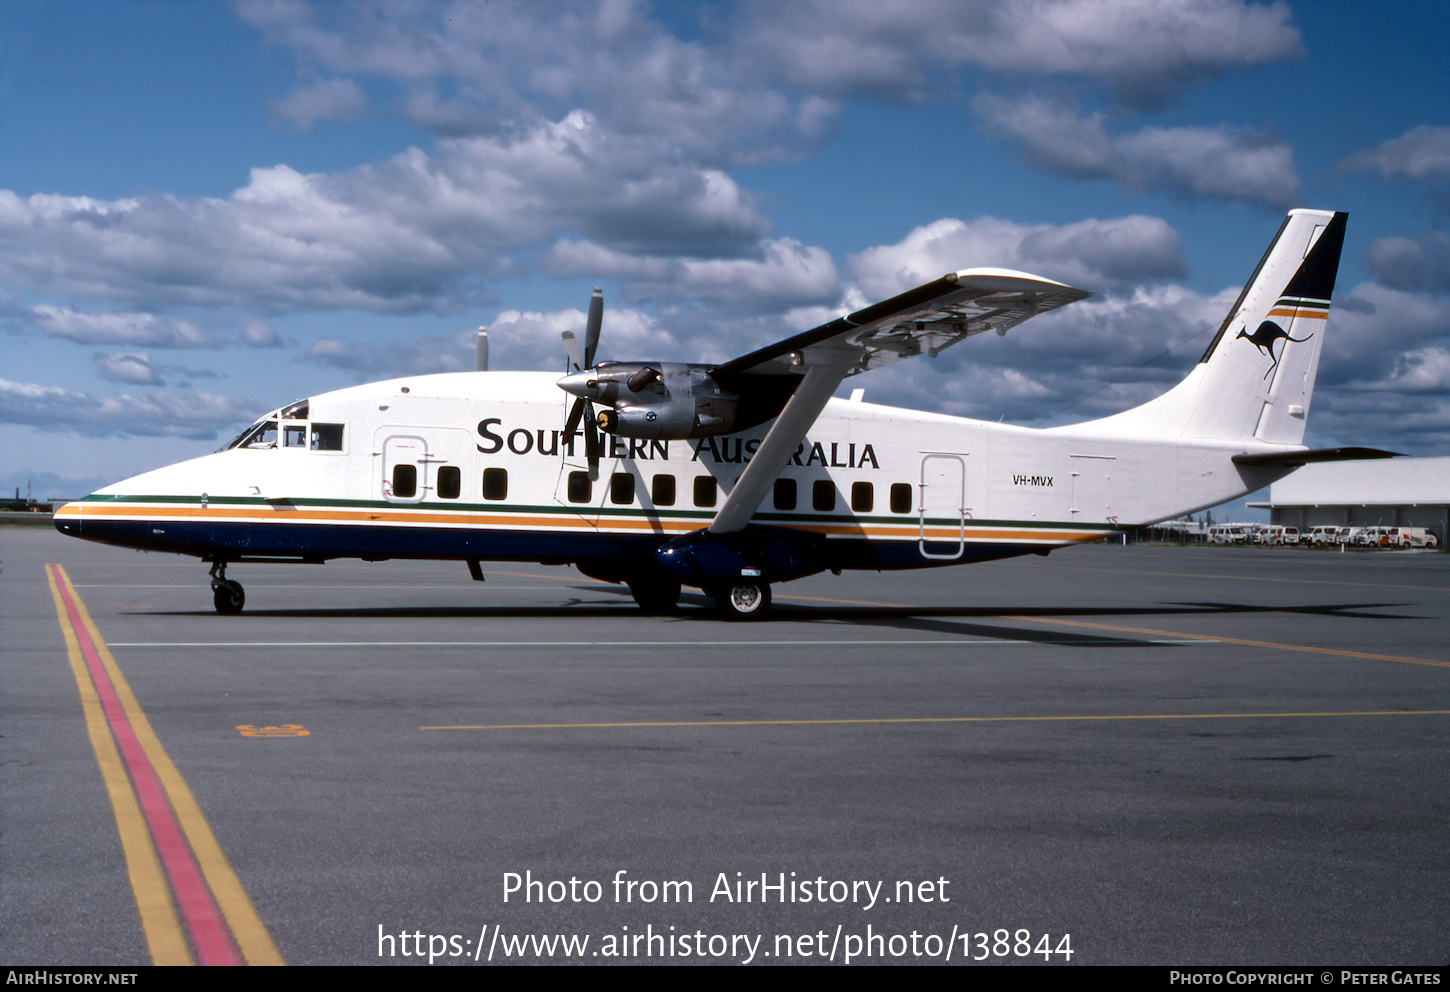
(571, 348)
(591, 330)
(575, 412)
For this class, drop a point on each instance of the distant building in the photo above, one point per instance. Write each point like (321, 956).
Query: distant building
(1391, 492)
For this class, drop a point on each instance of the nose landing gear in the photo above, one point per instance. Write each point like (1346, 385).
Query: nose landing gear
(227, 594)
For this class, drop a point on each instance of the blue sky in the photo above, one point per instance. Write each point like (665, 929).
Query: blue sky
(208, 210)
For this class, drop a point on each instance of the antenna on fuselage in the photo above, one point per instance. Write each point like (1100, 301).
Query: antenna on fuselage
(480, 350)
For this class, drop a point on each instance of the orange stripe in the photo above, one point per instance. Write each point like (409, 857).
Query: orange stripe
(1311, 314)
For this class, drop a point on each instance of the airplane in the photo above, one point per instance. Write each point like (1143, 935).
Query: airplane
(732, 477)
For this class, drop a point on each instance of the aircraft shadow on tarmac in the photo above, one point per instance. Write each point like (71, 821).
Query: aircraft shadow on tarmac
(952, 620)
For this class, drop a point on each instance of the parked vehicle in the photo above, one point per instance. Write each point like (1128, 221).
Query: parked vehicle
(1408, 537)
(1277, 535)
(1231, 533)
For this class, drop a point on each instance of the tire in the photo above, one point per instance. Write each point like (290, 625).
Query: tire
(743, 601)
(655, 594)
(229, 598)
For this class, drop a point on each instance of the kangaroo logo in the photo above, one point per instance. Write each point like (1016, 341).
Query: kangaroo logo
(1264, 338)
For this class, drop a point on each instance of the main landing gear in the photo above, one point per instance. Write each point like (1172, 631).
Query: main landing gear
(655, 593)
(744, 600)
(227, 594)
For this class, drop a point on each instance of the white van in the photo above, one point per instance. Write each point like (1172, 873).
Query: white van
(1407, 537)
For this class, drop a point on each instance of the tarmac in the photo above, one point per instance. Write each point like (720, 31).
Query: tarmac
(1112, 755)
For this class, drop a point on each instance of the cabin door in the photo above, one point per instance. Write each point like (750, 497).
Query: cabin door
(942, 506)
(404, 472)
(1092, 489)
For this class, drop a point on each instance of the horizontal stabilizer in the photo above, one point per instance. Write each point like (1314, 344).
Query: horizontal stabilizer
(1295, 459)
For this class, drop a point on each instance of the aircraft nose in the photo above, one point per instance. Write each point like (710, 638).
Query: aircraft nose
(580, 384)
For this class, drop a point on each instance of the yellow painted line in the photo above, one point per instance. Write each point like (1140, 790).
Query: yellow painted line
(1299, 312)
(246, 926)
(1312, 649)
(1217, 638)
(165, 940)
(939, 719)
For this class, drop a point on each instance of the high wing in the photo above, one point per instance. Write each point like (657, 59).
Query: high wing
(927, 319)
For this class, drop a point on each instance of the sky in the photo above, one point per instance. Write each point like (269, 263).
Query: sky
(208, 210)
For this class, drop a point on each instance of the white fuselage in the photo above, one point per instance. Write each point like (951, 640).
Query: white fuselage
(492, 479)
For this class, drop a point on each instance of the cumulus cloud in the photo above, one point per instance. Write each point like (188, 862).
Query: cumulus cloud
(1090, 359)
(1422, 370)
(259, 334)
(324, 100)
(129, 367)
(1373, 328)
(117, 328)
(1114, 254)
(765, 80)
(1402, 263)
(784, 274)
(1421, 154)
(187, 414)
(467, 68)
(1144, 51)
(531, 339)
(408, 234)
(370, 360)
(1221, 163)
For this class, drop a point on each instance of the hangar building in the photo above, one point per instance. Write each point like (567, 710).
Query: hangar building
(1391, 492)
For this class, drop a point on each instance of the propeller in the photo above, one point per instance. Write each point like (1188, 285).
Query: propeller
(581, 360)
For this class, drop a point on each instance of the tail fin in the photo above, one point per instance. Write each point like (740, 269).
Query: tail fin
(1255, 379)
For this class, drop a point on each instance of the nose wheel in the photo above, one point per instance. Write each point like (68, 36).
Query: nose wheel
(227, 594)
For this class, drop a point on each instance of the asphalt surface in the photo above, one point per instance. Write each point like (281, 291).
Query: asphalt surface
(1166, 756)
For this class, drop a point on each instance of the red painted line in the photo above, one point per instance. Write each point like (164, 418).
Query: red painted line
(199, 912)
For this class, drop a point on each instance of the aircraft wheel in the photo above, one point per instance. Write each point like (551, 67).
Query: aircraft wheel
(229, 597)
(743, 601)
(655, 594)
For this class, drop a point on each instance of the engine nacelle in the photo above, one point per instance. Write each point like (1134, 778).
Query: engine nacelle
(658, 400)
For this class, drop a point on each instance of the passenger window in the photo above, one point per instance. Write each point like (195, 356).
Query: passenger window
(823, 495)
(326, 437)
(496, 483)
(450, 482)
(900, 497)
(862, 498)
(405, 481)
(621, 488)
(662, 490)
(705, 490)
(294, 435)
(580, 487)
(785, 496)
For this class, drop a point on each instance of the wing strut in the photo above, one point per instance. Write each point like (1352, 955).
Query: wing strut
(780, 442)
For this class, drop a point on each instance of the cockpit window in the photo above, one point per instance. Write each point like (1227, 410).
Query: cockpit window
(297, 411)
(294, 435)
(263, 435)
(326, 437)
